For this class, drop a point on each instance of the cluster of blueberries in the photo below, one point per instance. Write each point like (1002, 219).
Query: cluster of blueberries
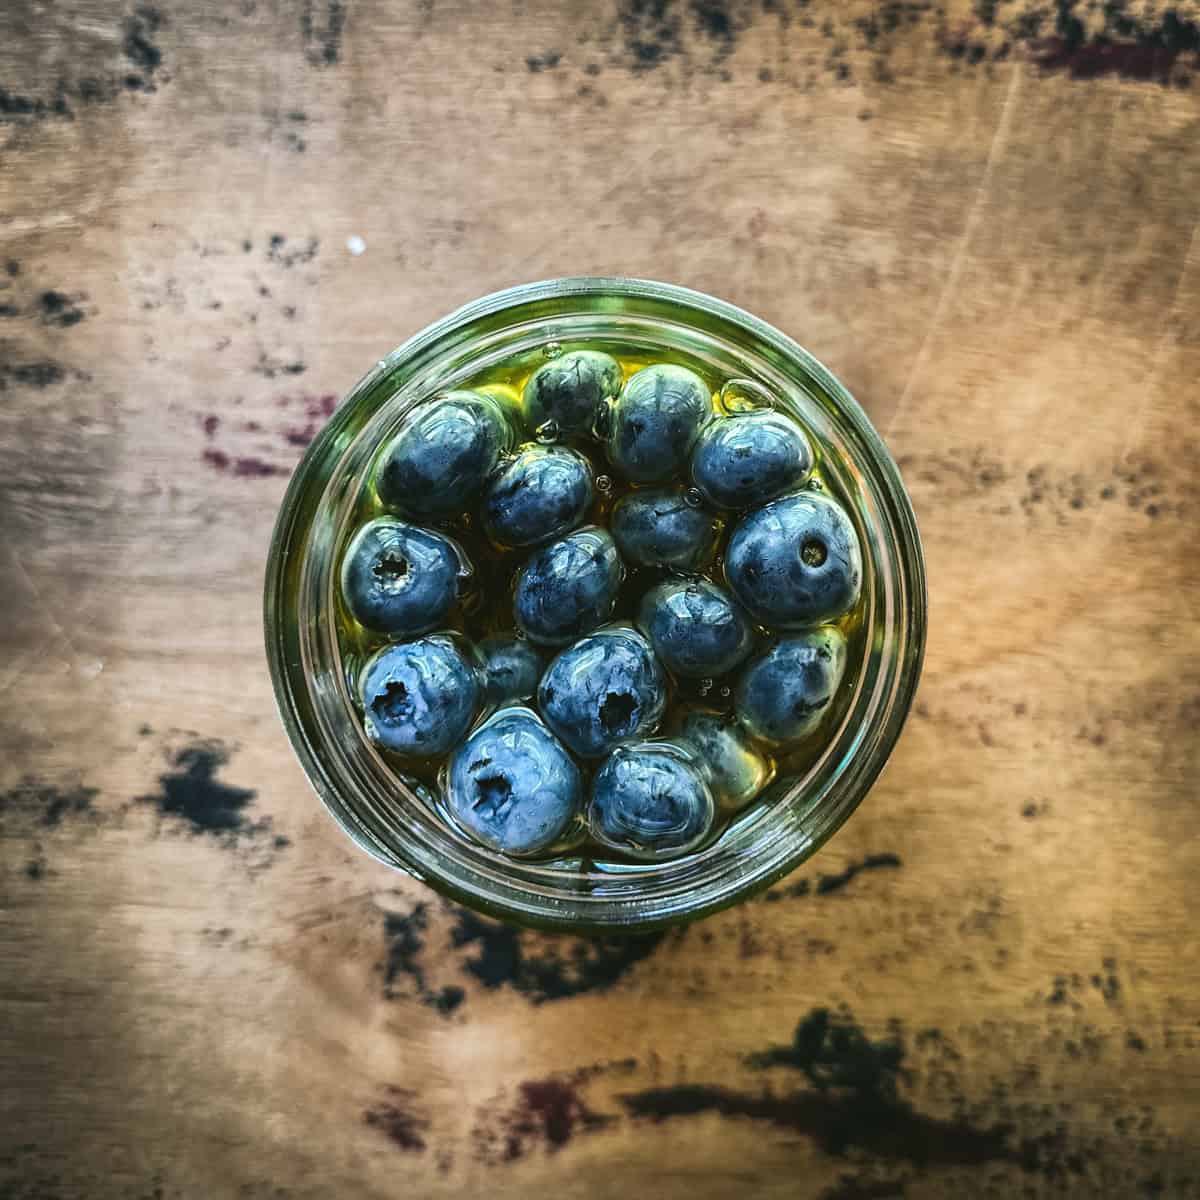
(792, 565)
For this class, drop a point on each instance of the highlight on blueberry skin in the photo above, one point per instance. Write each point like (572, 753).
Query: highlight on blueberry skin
(419, 698)
(655, 422)
(511, 668)
(795, 562)
(650, 800)
(543, 493)
(785, 693)
(696, 627)
(737, 772)
(604, 690)
(661, 528)
(438, 462)
(749, 458)
(570, 391)
(512, 786)
(401, 579)
(568, 587)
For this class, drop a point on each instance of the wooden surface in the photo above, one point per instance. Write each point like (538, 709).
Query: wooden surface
(982, 217)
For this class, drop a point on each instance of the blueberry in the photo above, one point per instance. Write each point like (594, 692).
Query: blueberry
(795, 562)
(568, 587)
(605, 689)
(438, 462)
(512, 785)
(695, 627)
(571, 390)
(736, 770)
(650, 800)
(750, 458)
(785, 692)
(399, 578)
(542, 494)
(661, 529)
(511, 668)
(419, 698)
(655, 421)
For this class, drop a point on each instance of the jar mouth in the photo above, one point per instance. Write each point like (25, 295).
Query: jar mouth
(395, 825)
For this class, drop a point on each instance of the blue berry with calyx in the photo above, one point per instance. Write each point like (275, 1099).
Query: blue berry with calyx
(568, 587)
(420, 697)
(570, 391)
(696, 627)
(605, 689)
(655, 422)
(785, 693)
(650, 800)
(400, 579)
(446, 449)
(749, 458)
(512, 786)
(665, 527)
(511, 668)
(543, 493)
(795, 562)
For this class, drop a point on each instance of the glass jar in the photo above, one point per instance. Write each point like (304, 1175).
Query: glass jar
(393, 821)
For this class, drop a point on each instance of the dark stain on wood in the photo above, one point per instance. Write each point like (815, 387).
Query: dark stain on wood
(192, 796)
(540, 967)
(283, 254)
(827, 884)
(139, 48)
(545, 61)
(545, 1112)
(138, 70)
(854, 1103)
(406, 936)
(34, 805)
(546, 967)
(41, 374)
(269, 367)
(322, 36)
(34, 813)
(59, 309)
(1082, 40)
(395, 1119)
(242, 466)
(1142, 48)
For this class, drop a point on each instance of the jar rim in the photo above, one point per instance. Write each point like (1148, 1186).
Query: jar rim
(520, 892)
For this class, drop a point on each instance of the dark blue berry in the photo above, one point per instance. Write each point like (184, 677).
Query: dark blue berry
(695, 627)
(419, 698)
(750, 458)
(437, 464)
(655, 422)
(736, 770)
(605, 689)
(542, 494)
(511, 668)
(661, 528)
(795, 562)
(512, 785)
(569, 391)
(568, 587)
(401, 579)
(785, 693)
(650, 800)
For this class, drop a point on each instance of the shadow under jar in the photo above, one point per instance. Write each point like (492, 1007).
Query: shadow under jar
(393, 807)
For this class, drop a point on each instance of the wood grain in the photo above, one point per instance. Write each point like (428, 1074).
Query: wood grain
(983, 217)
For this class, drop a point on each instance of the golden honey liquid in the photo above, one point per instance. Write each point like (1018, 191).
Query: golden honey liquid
(486, 600)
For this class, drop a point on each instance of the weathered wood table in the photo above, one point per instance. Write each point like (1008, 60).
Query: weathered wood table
(215, 216)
